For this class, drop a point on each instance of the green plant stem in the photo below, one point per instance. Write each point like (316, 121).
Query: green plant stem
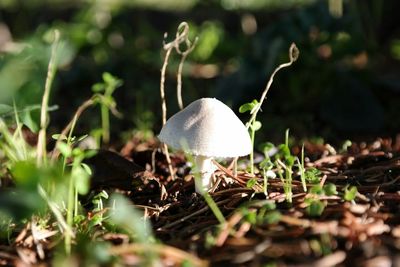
(265, 186)
(70, 217)
(51, 70)
(105, 123)
(288, 182)
(19, 132)
(252, 135)
(293, 55)
(75, 202)
(214, 208)
(302, 170)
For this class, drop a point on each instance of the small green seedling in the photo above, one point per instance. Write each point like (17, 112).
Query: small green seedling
(107, 88)
(255, 106)
(312, 175)
(315, 206)
(350, 193)
(252, 125)
(266, 214)
(286, 165)
(78, 183)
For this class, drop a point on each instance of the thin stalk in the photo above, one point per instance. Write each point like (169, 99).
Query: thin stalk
(252, 136)
(210, 202)
(179, 82)
(19, 132)
(62, 224)
(75, 202)
(70, 215)
(105, 123)
(164, 107)
(302, 170)
(214, 208)
(51, 70)
(287, 180)
(265, 186)
(184, 54)
(293, 55)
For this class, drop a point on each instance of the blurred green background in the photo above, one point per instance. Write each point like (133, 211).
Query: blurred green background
(346, 83)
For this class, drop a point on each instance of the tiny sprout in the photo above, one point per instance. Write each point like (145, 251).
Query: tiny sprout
(312, 175)
(250, 183)
(350, 193)
(330, 189)
(251, 106)
(315, 207)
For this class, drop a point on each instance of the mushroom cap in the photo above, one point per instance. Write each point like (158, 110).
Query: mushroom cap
(207, 127)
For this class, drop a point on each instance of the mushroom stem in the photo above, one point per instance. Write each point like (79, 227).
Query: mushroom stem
(205, 168)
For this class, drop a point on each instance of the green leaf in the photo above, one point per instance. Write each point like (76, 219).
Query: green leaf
(250, 216)
(65, 149)
(57, 136)
(82, 137)
(273, 217)
(4, 109)
(350, 193)
(315, 208)
(98, 87)
(108, 78)
(25, 174)
(270, 205)
(249, 107)
(28, 121)
(128, 218)
(266, 164)
(266, 147)
(245, 107)
(78, 219)
(312, 175)
(289, 160)
(256, 125)
(81, 178)
(317, 189)
(330, 189)
(284, 150)
(250, 183)
(86, 168)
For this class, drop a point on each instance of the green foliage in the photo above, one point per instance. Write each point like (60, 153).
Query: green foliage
(252, 182)
(266, 214)
(330, 189)
(350, 193)
(210, 35)
(253, 125)
(251, 106)
(106, 89)
(312, 175)
(286, 166)
(315, 207)
(127, 218)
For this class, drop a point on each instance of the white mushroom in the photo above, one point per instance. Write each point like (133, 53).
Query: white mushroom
(207, 128)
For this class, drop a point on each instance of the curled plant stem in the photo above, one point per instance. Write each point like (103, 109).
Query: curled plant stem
(51, 70)
(190, 46)
(181, 37)
(164, 108)
(293, 56)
